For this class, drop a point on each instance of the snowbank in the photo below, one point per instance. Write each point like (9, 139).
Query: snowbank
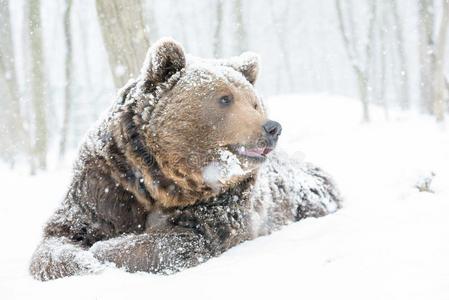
(388, 242)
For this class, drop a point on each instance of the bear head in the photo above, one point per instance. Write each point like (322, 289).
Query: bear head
(201, 120)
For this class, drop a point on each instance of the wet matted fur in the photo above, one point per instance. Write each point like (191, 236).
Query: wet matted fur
(144, 196)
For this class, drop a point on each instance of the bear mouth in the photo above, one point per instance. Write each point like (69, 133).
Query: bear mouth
(253, 153)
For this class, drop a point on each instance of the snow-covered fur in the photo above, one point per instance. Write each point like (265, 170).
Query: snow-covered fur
(160, 184)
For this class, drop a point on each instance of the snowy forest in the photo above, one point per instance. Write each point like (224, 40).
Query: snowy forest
(63, 61)
(358, 88)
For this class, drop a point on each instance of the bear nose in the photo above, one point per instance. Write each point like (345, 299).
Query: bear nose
(272, 128)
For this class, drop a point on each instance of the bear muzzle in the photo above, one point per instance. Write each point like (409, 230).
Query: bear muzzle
(271, 132)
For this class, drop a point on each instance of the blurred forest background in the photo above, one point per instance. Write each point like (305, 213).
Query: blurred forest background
(62, 61)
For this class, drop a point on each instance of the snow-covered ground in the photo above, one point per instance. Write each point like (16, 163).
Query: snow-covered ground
(390, 241)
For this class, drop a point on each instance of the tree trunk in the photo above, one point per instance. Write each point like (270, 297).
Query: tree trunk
(425, 29)
(383, 52)
(363, 92)
(278, 22)
(218, 29)
(37, 81)
(16, 138)
(68, 79)
(404, 83)
(360, 72)
(241, 39)
(438, 75)
(124, 36)
(150, 19)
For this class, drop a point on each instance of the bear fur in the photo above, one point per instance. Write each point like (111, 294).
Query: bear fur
(168, 179)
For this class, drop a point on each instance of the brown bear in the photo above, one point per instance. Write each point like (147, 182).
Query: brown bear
(180, 170)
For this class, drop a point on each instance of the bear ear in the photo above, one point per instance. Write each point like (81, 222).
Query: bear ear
(247, 64)
(164, 58)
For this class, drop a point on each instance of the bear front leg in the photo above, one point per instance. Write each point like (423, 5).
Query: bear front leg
(288, 191)
(58, 257)
(163, 252)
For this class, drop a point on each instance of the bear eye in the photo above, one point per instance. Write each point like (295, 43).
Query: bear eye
(255, 106)
(225, 100)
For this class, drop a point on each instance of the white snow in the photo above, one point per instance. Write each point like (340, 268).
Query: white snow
(389, 241)
(217, 173)
(120, 70)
